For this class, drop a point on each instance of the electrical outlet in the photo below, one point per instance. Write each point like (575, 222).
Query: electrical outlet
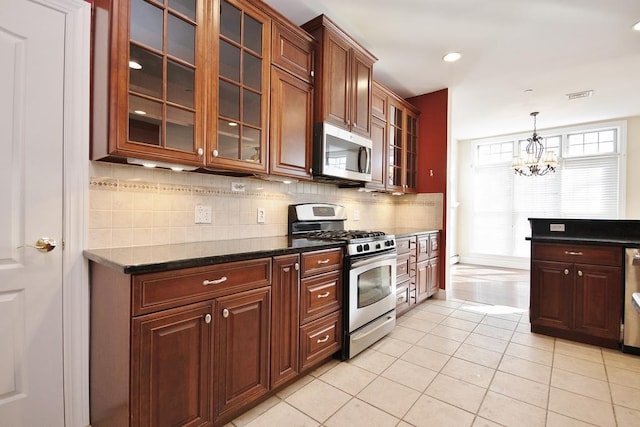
(261, 216)
(356, 215)
(203, 214)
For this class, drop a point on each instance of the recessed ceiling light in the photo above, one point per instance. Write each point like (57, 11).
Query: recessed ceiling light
(451, 57)
(637, 26)
(135, 65)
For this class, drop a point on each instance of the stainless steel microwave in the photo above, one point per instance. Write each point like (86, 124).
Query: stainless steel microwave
(341, 154)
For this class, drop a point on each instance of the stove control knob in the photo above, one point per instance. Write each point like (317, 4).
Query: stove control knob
(387, 243)
(378, 246)
(359, 248)
(366, 246)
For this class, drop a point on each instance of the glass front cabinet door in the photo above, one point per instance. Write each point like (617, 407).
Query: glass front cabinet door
(238, 139)
(149, 69)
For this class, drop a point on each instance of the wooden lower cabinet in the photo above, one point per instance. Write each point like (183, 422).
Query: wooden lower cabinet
(241, 370)
(198, 346)
(576, 292)
(417, 272)
(172, 355)
(285, 295)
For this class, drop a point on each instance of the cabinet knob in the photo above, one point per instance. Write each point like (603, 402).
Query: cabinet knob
(310, 171)
(313, 73)
(200, 152)
(580, 273)
(296, 266)
(566, 271)
(225, 313)
(207, 318)
(215, 153)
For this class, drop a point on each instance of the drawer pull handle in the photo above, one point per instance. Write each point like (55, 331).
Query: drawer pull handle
(326, 294)
(321, 340)
(207, 318)
(566, 271)
(323, 261)
(225, 313)
(573, 253)
(215, 282)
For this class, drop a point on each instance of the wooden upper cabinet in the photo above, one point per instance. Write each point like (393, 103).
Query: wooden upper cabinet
(344, 77)
(410, 165)
(238, 137)
(292, 51)
(291, 127)
(379, 102)
(149, 71)
(291, 112)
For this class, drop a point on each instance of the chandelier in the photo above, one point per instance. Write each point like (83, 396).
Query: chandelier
(535, 162)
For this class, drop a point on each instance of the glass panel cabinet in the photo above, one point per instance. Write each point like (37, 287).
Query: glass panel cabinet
(150, 73)
(239, 141)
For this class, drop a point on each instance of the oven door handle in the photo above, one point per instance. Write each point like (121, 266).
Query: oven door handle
(385, 257)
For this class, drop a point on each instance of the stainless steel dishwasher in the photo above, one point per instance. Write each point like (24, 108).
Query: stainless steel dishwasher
(631, 337)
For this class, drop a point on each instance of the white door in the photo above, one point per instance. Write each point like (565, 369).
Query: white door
(31, 160)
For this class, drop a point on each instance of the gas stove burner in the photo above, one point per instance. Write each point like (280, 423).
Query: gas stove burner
(344, 234)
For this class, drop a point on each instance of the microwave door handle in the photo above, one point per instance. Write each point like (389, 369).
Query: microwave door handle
(362, 169)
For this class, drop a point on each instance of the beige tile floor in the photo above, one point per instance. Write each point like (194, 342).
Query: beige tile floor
(457, 363)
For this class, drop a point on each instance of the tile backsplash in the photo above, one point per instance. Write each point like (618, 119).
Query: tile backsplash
(136, 206)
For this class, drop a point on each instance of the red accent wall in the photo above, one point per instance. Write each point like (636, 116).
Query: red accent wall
(432, 156)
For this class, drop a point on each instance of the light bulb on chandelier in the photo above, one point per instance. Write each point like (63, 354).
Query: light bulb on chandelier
(537, 162)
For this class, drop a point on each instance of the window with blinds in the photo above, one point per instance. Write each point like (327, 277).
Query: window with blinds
(587, 184)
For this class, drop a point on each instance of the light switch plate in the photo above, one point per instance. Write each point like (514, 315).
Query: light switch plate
(356, 215)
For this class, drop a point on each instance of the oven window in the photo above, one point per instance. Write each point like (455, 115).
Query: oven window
(374, 285)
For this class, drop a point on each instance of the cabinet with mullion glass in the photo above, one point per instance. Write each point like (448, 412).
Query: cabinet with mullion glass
(395, 148)
(238, 139)
(148, 80)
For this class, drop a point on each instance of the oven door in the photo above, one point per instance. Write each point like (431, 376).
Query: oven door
(372, 288)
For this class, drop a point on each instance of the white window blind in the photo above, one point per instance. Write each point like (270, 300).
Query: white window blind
(586, 184)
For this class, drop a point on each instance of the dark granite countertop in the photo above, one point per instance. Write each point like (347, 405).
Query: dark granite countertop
(149, 259)
(406, 231)
(587, 241)
(610, 232)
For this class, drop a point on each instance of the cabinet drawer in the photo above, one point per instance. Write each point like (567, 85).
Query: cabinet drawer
(599, 255)
(402, 297)
(434, 245)
(292, 51)
(321, 261)
(405, 245)
(158, 291)
(403, 267)
(320, 295)
(320, 339)
(423, 247)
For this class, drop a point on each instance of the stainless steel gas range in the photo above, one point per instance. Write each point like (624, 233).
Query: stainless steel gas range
(369, 276)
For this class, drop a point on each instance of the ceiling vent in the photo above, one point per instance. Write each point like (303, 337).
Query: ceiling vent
(578, 95)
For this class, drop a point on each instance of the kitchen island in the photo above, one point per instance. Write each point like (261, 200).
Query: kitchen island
(577, 278)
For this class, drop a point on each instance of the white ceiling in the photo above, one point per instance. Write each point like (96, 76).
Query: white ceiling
(553, 47)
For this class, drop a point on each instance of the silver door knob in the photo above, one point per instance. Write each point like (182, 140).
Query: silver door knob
(207, 318)
(225, 313)
(43, 244)
(580, 273)
(566, 271)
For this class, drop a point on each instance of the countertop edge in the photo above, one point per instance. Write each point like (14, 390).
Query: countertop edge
(176, 264)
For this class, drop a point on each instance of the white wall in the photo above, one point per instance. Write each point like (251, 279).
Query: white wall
(464, 175)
